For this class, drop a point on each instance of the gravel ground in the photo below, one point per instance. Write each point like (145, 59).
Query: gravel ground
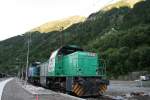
(127, 90)
(118, 88)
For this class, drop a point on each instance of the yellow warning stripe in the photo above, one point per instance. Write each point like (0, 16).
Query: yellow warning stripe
(102, 88)
(78, 88)
(75, 87)
(79, 92)
(82, 92)
(105, 87)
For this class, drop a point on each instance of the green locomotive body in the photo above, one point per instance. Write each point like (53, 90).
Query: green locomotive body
(73, 70)
(75, 64)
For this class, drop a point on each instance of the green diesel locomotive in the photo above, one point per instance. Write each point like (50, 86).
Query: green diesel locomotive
(75, 71)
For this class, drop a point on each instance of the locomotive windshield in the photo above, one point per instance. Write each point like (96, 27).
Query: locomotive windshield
(69, 49)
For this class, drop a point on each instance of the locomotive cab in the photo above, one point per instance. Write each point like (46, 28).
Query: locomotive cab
(69, 49)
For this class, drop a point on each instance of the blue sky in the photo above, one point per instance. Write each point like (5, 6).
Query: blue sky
(19, 16)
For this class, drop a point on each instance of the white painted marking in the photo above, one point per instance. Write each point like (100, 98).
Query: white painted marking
(2, 85)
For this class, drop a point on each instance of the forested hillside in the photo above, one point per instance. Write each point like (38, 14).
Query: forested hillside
(118, 35)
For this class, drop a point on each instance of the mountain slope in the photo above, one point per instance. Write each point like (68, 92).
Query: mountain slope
(122, 3)
(59, 24)
(120, 36)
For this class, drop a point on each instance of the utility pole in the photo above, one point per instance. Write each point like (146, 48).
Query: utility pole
(28, 51)
(62, 36)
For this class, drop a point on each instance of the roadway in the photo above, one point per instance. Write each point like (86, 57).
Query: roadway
(13, 90)
(2, 79)
(3, 82)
